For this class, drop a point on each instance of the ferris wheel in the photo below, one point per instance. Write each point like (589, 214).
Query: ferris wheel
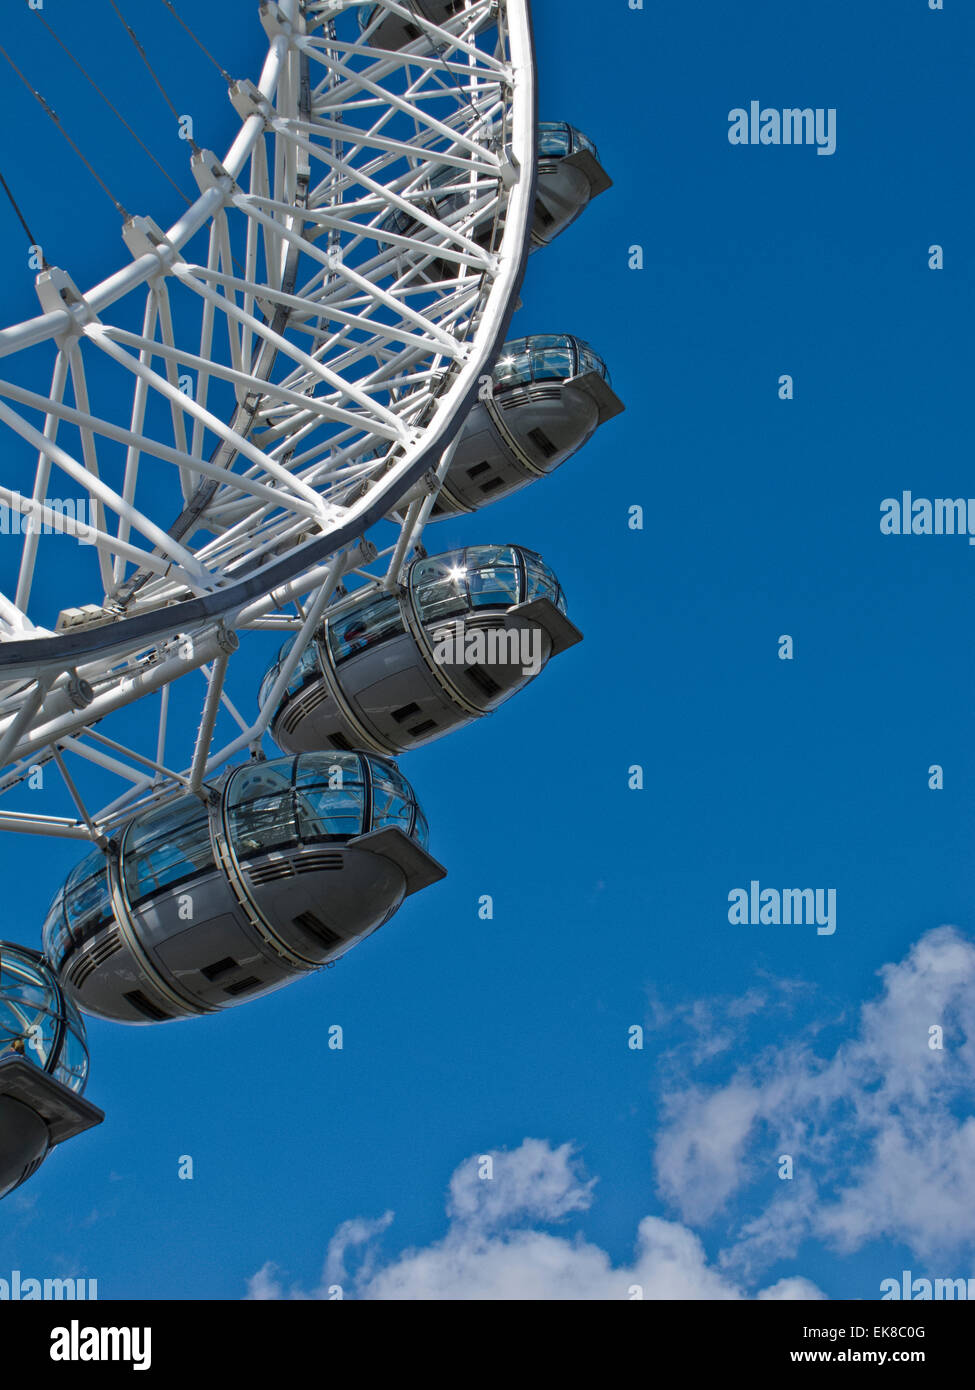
(254, 425)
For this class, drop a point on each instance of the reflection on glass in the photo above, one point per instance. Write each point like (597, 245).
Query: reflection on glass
(330, 794)
(546, 357)
(556, 139)
(542, 583)
(87, 900)
(166, 846)
(514, 368)
(307, 669)
(553, 365)
(392, 800)
(440, 586)
(54, 933)
(369, 623)
(37, 1022)
(260, 814)
(494, 580)
(313, 798)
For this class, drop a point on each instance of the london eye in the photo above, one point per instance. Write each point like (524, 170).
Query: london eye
(256, 425)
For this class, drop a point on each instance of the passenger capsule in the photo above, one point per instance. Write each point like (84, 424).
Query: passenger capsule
(395, 32)
(549, 395)
(569, 177)
(43, 1066)
(200, 907)
(392, 671)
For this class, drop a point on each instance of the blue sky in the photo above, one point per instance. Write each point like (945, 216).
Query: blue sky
(465, 1037)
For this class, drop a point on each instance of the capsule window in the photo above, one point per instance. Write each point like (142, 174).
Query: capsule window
(513, 369)
(306, 670)
(328, 814)
(261, 814)
(26, 1013)
(72, 1066)
(367, 625)
(37, 1022)
(391, 801)
(321, 796)
(554, 140)
(315, 797)
(440, 587)
(542, 583)
(55, 934)
(265, 823)
(324, 809)
(165, 847)
(496, 587)
(589, 362)
(87, 901)
(553, 364)
(272, 673)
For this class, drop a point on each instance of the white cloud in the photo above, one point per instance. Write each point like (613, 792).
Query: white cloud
(880, 1144)
(879, 1130)
(488, 1253)
(263, 1284)
(800, 1290)
(534, 1181)
(356, 1234)
(701, 1152)
(670, 1263)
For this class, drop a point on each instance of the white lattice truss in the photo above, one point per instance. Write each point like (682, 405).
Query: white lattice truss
(333, 327)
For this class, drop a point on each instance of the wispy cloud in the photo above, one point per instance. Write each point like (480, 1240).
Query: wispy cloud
(879, 1129)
